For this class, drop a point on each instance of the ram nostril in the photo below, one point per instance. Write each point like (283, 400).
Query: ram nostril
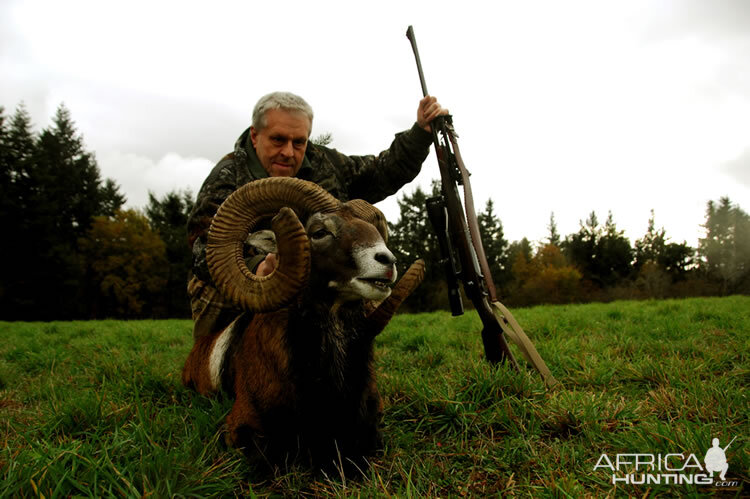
(385, 258)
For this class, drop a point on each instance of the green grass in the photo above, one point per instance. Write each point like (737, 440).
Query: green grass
(97, 408)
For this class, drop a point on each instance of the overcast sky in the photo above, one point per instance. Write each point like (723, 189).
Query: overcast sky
(560, 106)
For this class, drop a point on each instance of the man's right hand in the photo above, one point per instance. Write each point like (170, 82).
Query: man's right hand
(429, 109)
(267, 266)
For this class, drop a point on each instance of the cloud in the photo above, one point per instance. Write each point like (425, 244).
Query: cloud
(739, 168)
(547, 106)
(714, 35)
(139, 175)
(722, 20)
(152, 125)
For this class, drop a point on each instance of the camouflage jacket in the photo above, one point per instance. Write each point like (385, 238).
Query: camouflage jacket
(372, 178)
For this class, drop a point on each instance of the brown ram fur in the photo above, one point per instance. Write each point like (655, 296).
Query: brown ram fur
(302, 375)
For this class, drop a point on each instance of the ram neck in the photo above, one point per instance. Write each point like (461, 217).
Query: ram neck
(328, 346)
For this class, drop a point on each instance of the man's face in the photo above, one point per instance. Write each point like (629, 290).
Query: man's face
(281, 145)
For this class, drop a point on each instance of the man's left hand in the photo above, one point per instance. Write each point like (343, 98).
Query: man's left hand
(267, 266)
(429, 109)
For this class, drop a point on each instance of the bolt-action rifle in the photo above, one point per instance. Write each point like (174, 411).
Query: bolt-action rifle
(461, 250)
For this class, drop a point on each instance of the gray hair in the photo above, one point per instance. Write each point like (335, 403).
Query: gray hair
(279, 100)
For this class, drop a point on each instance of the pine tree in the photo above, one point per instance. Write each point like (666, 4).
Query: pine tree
(52, 189)
(671, 258)
(580, 248)
(677, 259)
(76, 185)
(412, 237)
(494, 243)
(5, 201)
(602, 254)
(613, 255)
(651, 246)
(19, 209)
(554, 236)
(16, 161)
(168, 218)
(110, 199)
(725, 251)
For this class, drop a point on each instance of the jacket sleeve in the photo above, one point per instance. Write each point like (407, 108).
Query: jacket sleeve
(221, 182)
(374, 178)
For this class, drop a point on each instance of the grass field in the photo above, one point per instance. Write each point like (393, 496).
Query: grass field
(97, 408)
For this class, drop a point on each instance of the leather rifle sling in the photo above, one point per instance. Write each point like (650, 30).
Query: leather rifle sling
(471, 216)
(507, 322)
(515, 332)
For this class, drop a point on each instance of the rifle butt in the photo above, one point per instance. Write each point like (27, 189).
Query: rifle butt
(496, 349)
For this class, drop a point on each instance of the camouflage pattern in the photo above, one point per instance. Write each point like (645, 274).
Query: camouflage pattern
(210, 312)
(372, 178)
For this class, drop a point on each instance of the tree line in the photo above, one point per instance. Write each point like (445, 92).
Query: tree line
(72, 251)
(596, 263)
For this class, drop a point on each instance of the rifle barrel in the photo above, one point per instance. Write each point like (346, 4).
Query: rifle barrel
(730, 442)
(413, 40)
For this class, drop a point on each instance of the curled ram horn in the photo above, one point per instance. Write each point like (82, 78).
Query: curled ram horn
(379, 314)
(285, 199)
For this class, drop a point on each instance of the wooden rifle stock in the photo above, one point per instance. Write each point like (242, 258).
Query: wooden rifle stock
(461, 249)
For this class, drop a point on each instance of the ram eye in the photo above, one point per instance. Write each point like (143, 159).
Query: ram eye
(320, 234)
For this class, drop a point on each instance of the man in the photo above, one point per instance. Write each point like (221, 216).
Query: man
(277, 145)
(716, 459)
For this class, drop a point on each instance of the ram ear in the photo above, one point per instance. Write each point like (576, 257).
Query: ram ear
(287, 199)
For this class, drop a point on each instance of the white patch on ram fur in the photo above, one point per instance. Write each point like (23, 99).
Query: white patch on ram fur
(218, 352)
